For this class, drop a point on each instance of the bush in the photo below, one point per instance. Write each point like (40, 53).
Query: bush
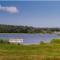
(4, 41)
(55, 41)
(1, 41)
(42, 42)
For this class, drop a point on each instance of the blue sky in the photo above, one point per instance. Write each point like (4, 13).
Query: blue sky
(31, 13)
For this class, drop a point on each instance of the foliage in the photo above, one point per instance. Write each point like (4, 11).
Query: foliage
(55, 41)
(25, 29)
(42, 42)
(4, 40)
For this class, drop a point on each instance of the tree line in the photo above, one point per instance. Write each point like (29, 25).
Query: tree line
(25, 29)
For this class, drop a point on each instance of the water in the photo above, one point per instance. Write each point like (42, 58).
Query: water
(31, 38)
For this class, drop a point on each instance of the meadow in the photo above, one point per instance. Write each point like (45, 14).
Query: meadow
(42, 51)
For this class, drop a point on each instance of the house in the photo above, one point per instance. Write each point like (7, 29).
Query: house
(16, 41)
(56, 32)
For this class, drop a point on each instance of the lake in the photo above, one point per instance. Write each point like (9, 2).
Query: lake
(31, 38)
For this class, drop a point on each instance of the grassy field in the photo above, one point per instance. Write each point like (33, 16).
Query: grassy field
(42, 51)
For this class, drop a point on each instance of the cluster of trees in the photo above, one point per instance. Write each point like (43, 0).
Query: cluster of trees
(4, 41)
(53, 41)
(25, 29)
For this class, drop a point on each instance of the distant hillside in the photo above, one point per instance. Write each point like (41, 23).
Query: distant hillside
(25, 29)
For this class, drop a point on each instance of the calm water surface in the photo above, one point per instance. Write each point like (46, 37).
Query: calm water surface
(31, 38)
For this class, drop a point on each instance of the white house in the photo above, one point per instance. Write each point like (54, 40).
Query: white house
(16, 41)
(57, 32)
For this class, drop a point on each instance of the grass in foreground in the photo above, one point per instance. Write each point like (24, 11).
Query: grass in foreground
(42, 51)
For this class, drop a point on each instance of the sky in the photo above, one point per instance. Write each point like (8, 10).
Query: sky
(30, 13)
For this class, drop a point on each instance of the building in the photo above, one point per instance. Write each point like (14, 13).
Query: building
(16, 41)
(57, 32)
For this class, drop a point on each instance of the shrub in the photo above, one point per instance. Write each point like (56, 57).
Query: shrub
(55, 41)
(42, 42)
(4, 41)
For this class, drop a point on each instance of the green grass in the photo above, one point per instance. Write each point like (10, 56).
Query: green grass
(43, 51)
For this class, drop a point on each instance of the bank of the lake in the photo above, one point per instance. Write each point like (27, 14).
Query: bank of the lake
(42, 51)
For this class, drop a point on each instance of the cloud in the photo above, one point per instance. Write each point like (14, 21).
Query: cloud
(10, 9)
